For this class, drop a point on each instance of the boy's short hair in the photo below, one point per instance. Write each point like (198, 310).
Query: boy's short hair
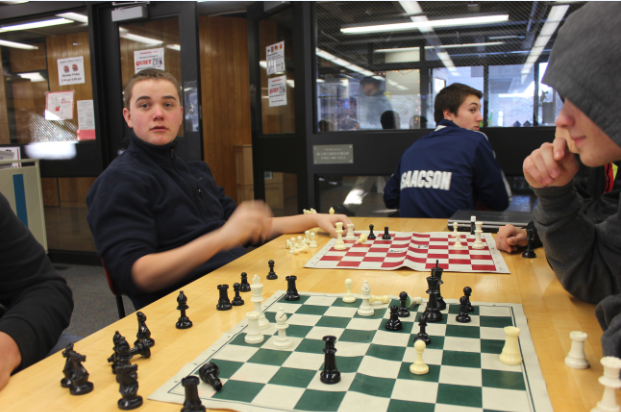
(148, 74)
(450, 98)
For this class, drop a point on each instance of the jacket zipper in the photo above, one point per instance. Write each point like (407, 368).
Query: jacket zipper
(172, 162)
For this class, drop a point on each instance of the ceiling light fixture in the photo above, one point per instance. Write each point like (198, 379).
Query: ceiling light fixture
(139, 39)
(344, 63)
(35, 25)
(174, 47)
(74, 16)
(33, 77)
(17, 45)
(426, 24)
(549, 28)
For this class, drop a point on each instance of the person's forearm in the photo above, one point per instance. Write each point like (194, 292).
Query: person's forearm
(159, 270)
(293, 224)
(10, 358)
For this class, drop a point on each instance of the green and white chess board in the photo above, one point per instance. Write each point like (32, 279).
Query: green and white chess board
(465, 373)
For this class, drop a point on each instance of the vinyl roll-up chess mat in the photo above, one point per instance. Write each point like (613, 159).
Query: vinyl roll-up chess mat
(465, 373)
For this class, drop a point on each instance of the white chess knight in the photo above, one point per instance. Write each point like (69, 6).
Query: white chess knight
(349, 297)
(576, 358)
(253, 335)
(610, 381)
(350, 232)
(419, 367)
(365, 308)
(281, 341)
(257, 298)
(339, 245)
(511, 351)
(478, 244)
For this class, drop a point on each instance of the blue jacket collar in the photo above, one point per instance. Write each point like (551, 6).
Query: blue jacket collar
(158, 152)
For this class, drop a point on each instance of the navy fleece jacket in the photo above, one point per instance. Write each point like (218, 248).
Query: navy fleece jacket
(149, 201)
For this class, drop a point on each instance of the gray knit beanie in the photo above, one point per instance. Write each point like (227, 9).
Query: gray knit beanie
(585, 64)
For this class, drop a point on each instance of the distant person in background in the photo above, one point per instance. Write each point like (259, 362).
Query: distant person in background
(452, 168)
(390, 120)
(325, 126)
(374, 104)
(35, 301)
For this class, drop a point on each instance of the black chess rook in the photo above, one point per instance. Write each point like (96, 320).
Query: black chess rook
(330, 373)
(192, 402)
(292, 292)
(529, 253)
(184, 322)
(209, 373)
(437, 272)
(403, 310)
(371, 234)
(394, 323)
(244, 286)
(271, 275)
(237, 300)
(223, 302)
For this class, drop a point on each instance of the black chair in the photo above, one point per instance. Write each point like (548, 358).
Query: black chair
(117, 296)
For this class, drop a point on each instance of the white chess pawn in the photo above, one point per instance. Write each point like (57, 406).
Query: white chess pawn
(511, 351)
(257, 297)
(478, 244)
(339, 245)
(288, 244)
(350, 232)
(365, 308)
(313, 242)
(312, 210)
(307, 235)
(301, 241)
(576, 358)
(253, 335)
(419, 367)
(382, 299)
(292, 247)
(455, 229)
(281, 341)
(349, 297)
(457, 244)
(331, 211)
(611, 382)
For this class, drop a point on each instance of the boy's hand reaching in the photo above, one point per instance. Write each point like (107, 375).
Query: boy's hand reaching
(251, 222)
(327, 222)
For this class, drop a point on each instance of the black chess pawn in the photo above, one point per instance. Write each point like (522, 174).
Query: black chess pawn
(237, 300)
(467, 293)
(79, 378)
(422, 333)
(271, 275)
(433, 310)
(143, 329)
(292, 292)
(529, 252)
(394, 323)
(330, 373)
(463, 316)
(437, 272)
(192, 402)
(67, 371)
(371, 234)
(386, 234)
(403, 310)
(244, 286)
(209, 373)
(127, 377)
(184, 322)
(223, 302)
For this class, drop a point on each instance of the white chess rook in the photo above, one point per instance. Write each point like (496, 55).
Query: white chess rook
(511, 351)
(350, 232)
(281, 341)
(253, 335)
(365, 309)
(478, 244)
(576, 358)
(339, 245)
(611, 382)
(257, 298)
(349, 297)
(419, 367)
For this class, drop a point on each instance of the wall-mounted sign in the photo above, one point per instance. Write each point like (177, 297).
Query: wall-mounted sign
(275, 58)
(333, 154)
(59, 105)
(71, 71)
(86, 120)
(277, 91)
(143, 59)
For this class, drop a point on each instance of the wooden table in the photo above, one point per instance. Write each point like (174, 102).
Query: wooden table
(551, 312)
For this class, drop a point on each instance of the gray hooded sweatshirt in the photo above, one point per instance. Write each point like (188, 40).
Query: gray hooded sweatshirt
(586, 257)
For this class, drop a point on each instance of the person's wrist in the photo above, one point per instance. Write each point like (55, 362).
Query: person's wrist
(11, 355)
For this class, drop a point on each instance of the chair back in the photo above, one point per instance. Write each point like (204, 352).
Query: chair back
(119, 298)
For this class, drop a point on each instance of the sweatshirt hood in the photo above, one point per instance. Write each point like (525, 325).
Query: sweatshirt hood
(585, 61)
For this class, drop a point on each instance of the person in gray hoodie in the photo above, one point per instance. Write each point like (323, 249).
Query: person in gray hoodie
(585, 256)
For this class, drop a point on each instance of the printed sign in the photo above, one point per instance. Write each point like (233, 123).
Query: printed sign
(143, 59)
(59, 105)
(277, 91)
(333, 154)
(275, 58)
(71, 71)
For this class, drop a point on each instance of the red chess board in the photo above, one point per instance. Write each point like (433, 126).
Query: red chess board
(418, 251)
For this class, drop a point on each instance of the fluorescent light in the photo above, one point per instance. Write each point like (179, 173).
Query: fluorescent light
(321, 81)
(455, 46)
(461, 21)
(74, 16)
(263, 64)
(174, 47)
(549, 28)
(505, 37)
(33, 77)
(344, 63)
(291, 83)
(17, 45)
(139, 39)
(35, 25)
(402, 49)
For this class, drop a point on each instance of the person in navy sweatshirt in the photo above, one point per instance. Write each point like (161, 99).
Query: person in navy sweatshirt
(160, 222)
(452, 168)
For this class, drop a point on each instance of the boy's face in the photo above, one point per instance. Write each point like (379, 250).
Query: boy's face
(468, 115)
(583, 136)
(155, 112)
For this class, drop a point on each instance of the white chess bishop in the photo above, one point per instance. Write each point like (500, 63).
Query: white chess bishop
(365, 308)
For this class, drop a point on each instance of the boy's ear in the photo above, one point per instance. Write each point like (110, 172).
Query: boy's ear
(128, 117)
(448, 115)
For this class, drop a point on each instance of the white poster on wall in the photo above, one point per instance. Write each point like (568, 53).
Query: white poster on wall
(277, 91)
(275, 58)
(71, 71)
(143, 59)
(59, 105)
(86, 115)
(10, 153)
